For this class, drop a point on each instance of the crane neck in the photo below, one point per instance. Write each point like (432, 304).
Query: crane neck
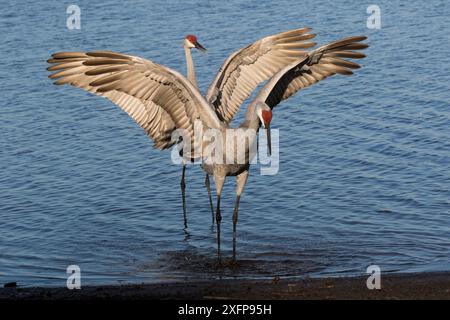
(251, 120)
(190, 66)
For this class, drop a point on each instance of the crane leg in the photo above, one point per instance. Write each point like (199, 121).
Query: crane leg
(183, 194)
(219, 180)
(235, 219)
(241, 180)
(218, 220)
(208, 187)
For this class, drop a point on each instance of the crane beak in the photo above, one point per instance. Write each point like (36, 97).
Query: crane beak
(269, 139)
(199, 47)
(266, 118)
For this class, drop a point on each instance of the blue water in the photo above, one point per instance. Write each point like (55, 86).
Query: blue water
(364, 160)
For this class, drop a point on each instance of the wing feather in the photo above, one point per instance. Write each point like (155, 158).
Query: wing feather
(245, 69)
(159, 99)
(319, 64)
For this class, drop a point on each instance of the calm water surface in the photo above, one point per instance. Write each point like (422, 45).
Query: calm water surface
(364, 162)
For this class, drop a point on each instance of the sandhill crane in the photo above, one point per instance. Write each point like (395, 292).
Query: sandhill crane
(161, 100)
(191, 42)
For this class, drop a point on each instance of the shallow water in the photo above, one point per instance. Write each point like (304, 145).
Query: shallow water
(364, 161)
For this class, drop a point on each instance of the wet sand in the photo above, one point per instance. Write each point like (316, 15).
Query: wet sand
(394, 286)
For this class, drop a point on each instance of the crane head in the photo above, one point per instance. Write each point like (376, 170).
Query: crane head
(265, 116)
(191, 42)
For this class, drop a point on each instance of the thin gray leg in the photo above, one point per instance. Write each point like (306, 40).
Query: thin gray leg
(183, 194)
(219, 180)
(235, 219)
(208, 187)
(241, 180)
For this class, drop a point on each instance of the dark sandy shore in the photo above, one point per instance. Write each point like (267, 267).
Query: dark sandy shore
(398, 286)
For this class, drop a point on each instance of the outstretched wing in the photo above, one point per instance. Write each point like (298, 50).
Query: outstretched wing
(246, 68)
(319, 64)
(159, 99)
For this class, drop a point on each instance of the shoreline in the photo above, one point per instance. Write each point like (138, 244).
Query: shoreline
(430, 285)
